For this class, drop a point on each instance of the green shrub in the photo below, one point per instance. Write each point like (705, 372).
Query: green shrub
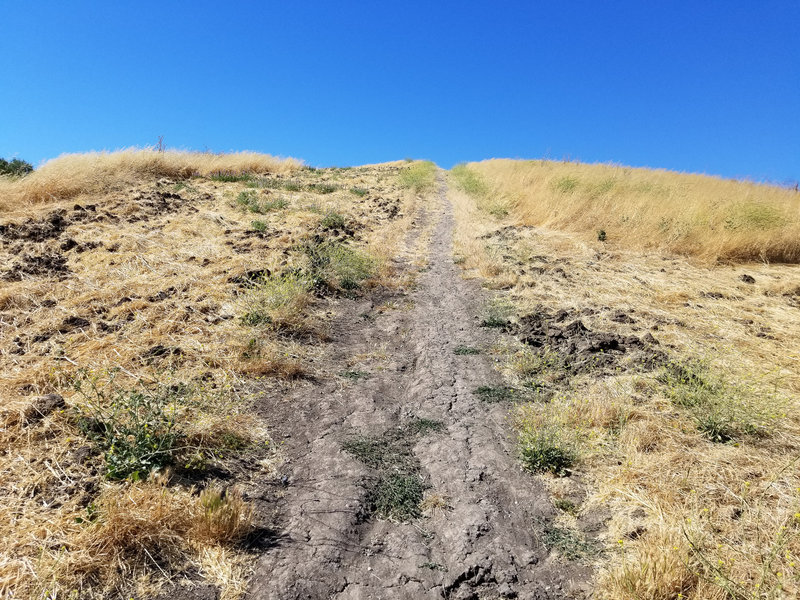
(566, 184)
(359, 191)
(258, 225)
(332, 220)
(497, 313)
(249, 200)
(722, 411)
(338, 266)
(278, 300)
(322, 188)
(547, 448)
(134, 428)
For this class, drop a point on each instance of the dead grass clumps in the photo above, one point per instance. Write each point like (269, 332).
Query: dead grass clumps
(695, 462)
(72, 175)
(133, 528)
(164, 284)
(696, 215)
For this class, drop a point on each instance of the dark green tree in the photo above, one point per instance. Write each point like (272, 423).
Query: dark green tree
(15, 167)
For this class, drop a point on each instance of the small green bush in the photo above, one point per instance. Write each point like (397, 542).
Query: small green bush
(497, 313)
(722, 411)
(338, 266)
(322, 188)
(359, 191)
(547, 449)
(277, 300)
(135, 428)
(332, 220)
(250, 201)
(258, 225)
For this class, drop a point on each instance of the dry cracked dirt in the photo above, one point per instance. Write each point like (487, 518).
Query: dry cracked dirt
(400, 481)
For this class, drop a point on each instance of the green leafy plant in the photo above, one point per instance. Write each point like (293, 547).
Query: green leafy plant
(135, 428)
(359, 191)
(332, 220)
(547, 448)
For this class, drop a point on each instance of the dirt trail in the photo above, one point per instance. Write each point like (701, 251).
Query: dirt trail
(483, 540)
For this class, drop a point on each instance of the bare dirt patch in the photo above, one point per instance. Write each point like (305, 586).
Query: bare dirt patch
(350, 440)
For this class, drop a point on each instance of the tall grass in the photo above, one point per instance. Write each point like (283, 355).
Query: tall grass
(71, 175)
(695, 215)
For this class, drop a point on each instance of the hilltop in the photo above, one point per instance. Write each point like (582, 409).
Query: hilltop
(236, 375)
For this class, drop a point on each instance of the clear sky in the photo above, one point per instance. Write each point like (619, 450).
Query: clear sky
(693, 85)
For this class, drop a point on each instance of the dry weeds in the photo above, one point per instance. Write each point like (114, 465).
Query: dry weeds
(139, 267)
(694, 215)
(687, 517)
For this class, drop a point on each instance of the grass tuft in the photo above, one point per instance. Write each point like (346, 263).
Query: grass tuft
(547, 448)
(419, 176)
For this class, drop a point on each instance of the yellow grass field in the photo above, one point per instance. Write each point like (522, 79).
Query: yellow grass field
(151, 292)
(694, 510)
(694, 215)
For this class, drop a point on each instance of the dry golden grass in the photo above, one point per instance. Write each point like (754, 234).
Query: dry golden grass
(695, 215)
(71, 175)
(152, 286)
(689, 518)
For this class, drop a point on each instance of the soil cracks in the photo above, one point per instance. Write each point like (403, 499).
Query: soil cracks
(480, 534)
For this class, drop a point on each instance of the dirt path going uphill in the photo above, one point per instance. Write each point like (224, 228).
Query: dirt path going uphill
(410, 415)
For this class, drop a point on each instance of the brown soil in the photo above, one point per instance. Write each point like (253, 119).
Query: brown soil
(484, 519)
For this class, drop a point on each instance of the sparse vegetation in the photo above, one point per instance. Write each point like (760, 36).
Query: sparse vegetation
(497, 313)
(495, 393)
(694, 459)
(466, 350)
(696, 215)
(547, 447)
(156, 276)
(398, 489)
(419, 176)
(567, 542)
(250, 201)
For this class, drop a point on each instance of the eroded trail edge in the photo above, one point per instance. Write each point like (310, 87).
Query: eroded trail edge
(410, 413)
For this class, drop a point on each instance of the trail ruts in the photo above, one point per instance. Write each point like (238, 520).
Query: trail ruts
(486, 542)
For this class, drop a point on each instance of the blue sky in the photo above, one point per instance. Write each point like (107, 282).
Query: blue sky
(692, 86)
